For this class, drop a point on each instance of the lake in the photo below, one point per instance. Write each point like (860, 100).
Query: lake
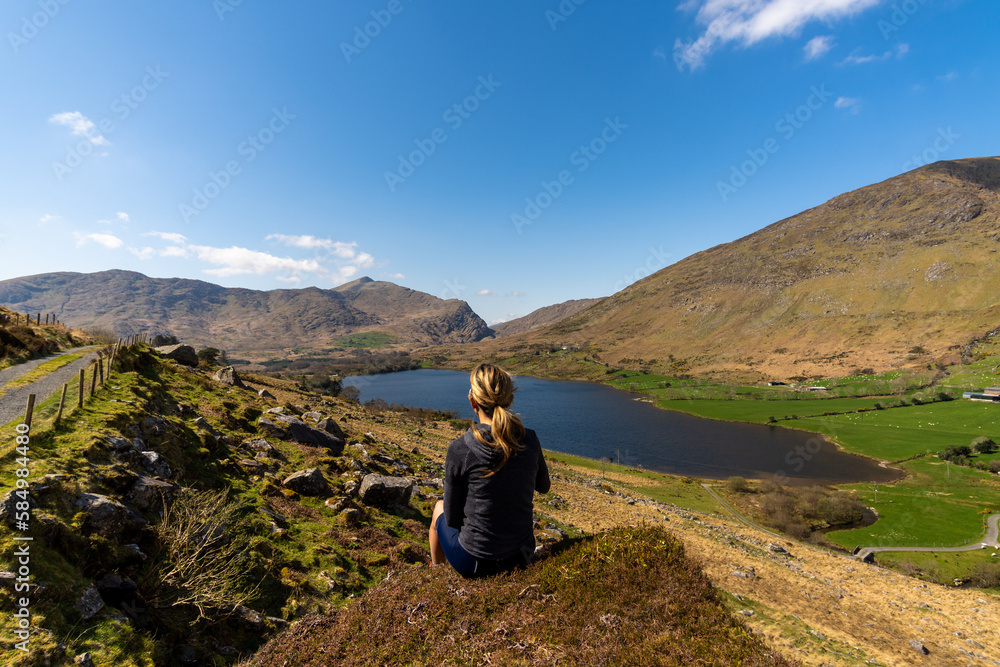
(596, 421)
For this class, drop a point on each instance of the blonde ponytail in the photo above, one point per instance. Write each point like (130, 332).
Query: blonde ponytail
(493, 391)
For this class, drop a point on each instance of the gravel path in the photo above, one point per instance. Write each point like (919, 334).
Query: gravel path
(13, 402)
(8, 374)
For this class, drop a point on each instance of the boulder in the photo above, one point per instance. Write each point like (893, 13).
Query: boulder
(228, 375)
(89, 603)
(308, 482)
(385, 491)
(182, 354)
(272, 429)
(107, 517)
(8, 505)
(264, 393)
(155, 464)
(148, 493)
(299, 431)
(331, 427)
(918, 647)
(260, 446)
(313, 416)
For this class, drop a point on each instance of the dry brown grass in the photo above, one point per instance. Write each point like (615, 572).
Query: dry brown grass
(627, 597)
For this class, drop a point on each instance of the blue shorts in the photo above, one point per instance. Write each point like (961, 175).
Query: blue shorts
(465, 563)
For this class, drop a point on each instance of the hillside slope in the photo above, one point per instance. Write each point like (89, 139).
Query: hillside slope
(243, 319)
(543, 317)
(901, 272)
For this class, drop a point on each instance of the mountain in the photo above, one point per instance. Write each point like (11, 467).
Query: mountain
(542, 317)
(201, 313)
(903, 272)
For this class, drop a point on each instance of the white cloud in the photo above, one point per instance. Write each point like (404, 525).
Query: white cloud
(170, 237)
(106, 240)
(234, 261)
(80, 126)
(517, 294)
(47, 218)
(857, 57)
(950, 76)
(747, 22)
(347, 260)
(142, 253)
(123, 216)
(849, 103)
(486, 292)
(396, 276)
(174, 251)
(659, 52)
(818, 46)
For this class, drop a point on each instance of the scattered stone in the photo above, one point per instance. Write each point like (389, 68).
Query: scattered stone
(918, 647)
(250, 619)
(260, 445)
(8, 505)
(84, 660)
(155, 464)
(202, 423)
(385, 491)
(362, 452)
(182, 354)
(308, 482)
(973, 643)
(277, 410)
(301, 432)
(277, 516)
(89, 603)
(116, 589)
(777, 549)
(107, 517)
(229, 376)
(255, 467)
(155, 426)
(337, 504)
(137, 550)
(747, 612)
(313, 416)
(264, 393)
(332, 427)
(351, 487)
(272, 429)
(352, 516)
(120, 444)
(148, 493)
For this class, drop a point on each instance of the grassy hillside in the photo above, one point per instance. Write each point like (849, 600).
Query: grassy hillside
(900, 273)
(228, 556)
(26, 340)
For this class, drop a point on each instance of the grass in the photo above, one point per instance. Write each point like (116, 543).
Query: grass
(940, 568)
(630, 596)
(683, 492)
(314, 566)
(933, 506)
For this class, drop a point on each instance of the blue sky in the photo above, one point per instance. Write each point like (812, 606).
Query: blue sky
(510, 154)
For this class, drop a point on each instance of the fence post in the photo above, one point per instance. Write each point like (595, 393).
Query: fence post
(38, 319)
(62, 401)
(100, 368)
(30, 409)
(93, 381)
(79, 400)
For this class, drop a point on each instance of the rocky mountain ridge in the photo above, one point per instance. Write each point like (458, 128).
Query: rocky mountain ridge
(243, 319)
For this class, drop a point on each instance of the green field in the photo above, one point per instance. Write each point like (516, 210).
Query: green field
(936, 503)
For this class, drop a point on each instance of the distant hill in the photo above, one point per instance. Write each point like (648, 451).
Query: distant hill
(903, 272)
(202, 313)
(543, 317)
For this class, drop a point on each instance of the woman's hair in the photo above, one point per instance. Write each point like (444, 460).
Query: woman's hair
(493, 391)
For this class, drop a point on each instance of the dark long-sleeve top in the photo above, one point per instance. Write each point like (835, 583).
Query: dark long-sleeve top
(493, 514)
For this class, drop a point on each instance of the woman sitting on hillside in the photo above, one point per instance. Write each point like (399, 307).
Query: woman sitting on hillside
(485, 525)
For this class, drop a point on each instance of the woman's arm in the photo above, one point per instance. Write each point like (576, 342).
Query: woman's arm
(542, 481)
